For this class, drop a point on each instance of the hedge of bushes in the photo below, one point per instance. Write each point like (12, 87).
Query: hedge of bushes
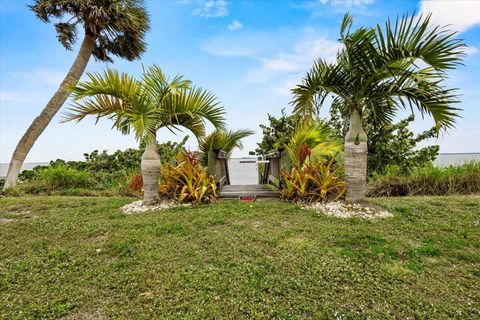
(427, 180)
(99, 174)
(119, 174)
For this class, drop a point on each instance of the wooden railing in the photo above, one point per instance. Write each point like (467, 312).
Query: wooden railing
(277, 162)
(218, 167)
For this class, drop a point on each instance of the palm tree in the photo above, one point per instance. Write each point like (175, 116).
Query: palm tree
(380, 70)
(144, 106)
(221, 140)
(312, 139)
(110, 27)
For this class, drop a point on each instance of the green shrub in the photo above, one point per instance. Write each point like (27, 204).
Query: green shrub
(389, 144)
(99, 171)
(34, 187)
(106, 168)
(427, 180)
(62, 177)
(276, 133)
(14, 191)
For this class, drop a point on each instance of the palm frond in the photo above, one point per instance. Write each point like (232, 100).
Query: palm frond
(316, 136)
(222, 140)
(158, 86)
(400, 65)
(412, 37)
(117, 96)
(321, 80)
(195, 103)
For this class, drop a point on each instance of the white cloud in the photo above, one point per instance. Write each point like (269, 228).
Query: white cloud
(338, 6)
(294, 61)
(228, 48)
(347, 3)
(235, 25)
(279, 58)
(212, 9)
(471, 50)
(460, 14)
(39, 77)
(11, 97)
(29, 88)
(246, 44)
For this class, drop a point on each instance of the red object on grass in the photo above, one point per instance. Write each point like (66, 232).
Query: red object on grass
(247, 198)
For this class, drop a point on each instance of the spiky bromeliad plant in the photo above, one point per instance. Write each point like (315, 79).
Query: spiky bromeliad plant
(108, 27)
(187, 181)
(144, 106)
(314, 173)
(313, 182)
(383, 69)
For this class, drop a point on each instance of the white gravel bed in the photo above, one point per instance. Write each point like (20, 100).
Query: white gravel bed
(139, 207)
(348, 210)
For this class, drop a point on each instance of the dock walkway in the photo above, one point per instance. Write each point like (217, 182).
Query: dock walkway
(258, 190)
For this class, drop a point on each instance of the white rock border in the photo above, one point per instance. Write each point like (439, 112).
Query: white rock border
(139, 207)
(344, 210)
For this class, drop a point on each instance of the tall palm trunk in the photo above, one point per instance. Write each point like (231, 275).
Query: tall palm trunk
(356, 158)
(150, 173)
(41, 122)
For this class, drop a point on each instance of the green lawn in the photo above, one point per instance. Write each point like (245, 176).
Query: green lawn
(83, 259)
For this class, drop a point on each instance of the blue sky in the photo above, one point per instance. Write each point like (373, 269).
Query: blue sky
(249, 53)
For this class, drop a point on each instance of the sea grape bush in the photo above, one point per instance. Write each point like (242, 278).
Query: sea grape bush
(389, 144)
(276, 134)
(107, 171)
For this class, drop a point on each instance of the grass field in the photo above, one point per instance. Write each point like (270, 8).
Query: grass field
(81, 258)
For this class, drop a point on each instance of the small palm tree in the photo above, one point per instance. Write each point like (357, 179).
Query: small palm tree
(221, 140)
(144, 106)
(380, 70)
(108, 27)
(312, 139)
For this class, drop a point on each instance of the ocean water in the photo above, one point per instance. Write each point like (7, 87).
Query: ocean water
(446, 159)
(26, 166)
(243, 173)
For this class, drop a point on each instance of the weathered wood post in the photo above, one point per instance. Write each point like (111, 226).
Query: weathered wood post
(259, 170)
(274, 168)
(217, 167)
(285, 164)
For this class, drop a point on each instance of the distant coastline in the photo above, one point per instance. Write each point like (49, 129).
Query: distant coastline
(446, 159)
(26, 166)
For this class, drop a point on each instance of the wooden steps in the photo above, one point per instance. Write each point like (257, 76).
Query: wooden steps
(258, 190)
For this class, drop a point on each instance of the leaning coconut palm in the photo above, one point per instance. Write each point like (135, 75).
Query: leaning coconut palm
(144, 106)
(109, 27)
(221, 140)
(312, 140)
(382, 70)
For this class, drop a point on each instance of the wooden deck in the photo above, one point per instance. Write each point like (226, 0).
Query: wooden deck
(258, 190)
